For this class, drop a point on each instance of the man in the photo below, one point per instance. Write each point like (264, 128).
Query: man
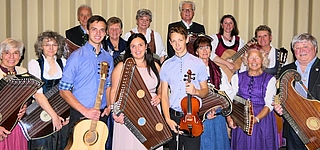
(78, 34)
(263, 35)
(305, 49)
(186, 9)
(81, 77)
(172, 74)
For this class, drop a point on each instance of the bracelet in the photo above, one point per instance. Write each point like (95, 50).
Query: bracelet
(258, 120)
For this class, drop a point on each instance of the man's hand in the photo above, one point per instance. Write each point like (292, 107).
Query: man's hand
(92, 113)
(106, 111)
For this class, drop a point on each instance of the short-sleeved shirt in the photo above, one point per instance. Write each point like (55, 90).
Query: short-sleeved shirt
(173, 72)
(82, 75)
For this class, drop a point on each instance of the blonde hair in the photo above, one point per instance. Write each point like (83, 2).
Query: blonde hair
(263, 54)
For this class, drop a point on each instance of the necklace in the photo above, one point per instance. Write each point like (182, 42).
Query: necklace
(229, 39)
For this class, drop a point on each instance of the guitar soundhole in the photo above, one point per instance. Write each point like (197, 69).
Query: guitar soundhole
(90, 137)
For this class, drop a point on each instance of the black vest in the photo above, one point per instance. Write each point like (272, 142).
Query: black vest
(48, 84)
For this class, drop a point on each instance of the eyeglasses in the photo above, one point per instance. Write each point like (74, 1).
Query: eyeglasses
(187, 10)
(204, 47)
(50, 45)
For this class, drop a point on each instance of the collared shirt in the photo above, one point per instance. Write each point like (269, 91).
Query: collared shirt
(173, 72)
(160, 49)
(84, 30)
(186, 24)
(82, 74)
(304, 77)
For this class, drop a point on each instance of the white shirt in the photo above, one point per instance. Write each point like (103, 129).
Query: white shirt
(215, 43)
(160, 49)
(34, 69)
(224, 85)
(270, 93)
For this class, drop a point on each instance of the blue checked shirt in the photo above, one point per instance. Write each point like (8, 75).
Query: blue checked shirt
(82, 75)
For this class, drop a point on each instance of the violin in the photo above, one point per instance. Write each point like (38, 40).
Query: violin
(190, 123)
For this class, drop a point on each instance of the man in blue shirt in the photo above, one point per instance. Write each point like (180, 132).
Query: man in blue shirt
(172, 74)
(81, 76)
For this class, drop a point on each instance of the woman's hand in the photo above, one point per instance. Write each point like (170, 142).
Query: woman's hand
(119, 119)
(231, 124)
(3, 133)
(155, 101)
(57, 122)
(22, 111)
(211, 113)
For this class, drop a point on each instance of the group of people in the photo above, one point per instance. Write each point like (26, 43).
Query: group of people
(163, 72)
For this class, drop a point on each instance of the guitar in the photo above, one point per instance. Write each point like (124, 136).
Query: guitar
(37, 122)
(282, 58)
(234, 57)
(92, 134)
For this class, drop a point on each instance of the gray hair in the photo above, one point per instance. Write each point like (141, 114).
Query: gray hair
(264, 56)
(187, 2)
(144, 12)
(83, 6)
(305, 37)
(50, 36)
(11, 43)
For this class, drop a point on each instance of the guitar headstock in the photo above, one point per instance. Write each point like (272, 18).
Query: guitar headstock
(252, 41)
(282, 55)
(104, 70)
(276, 99)
(189, 76)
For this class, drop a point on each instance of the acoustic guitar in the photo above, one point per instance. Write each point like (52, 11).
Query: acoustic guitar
(234, 57)
(91, 134)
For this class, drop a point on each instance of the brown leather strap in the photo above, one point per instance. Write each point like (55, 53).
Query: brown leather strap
(152, 43)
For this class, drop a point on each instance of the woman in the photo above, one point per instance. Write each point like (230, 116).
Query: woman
(227, 38)
(114, 43)
(259, 87)
(116, 47)
(10, 54)
(215, 135)
(144, 18)
(149, 70)
(49, 48)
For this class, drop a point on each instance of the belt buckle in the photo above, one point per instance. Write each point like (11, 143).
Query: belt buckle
(175, 113)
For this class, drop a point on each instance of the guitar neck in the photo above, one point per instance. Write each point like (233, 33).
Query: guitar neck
(103, 75)
(239, 53)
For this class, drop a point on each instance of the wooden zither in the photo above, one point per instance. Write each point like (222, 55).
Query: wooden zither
(216, 99)
(15, 90)
(242, 114)
(141, 118)
(37, 122)
(302, 114)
